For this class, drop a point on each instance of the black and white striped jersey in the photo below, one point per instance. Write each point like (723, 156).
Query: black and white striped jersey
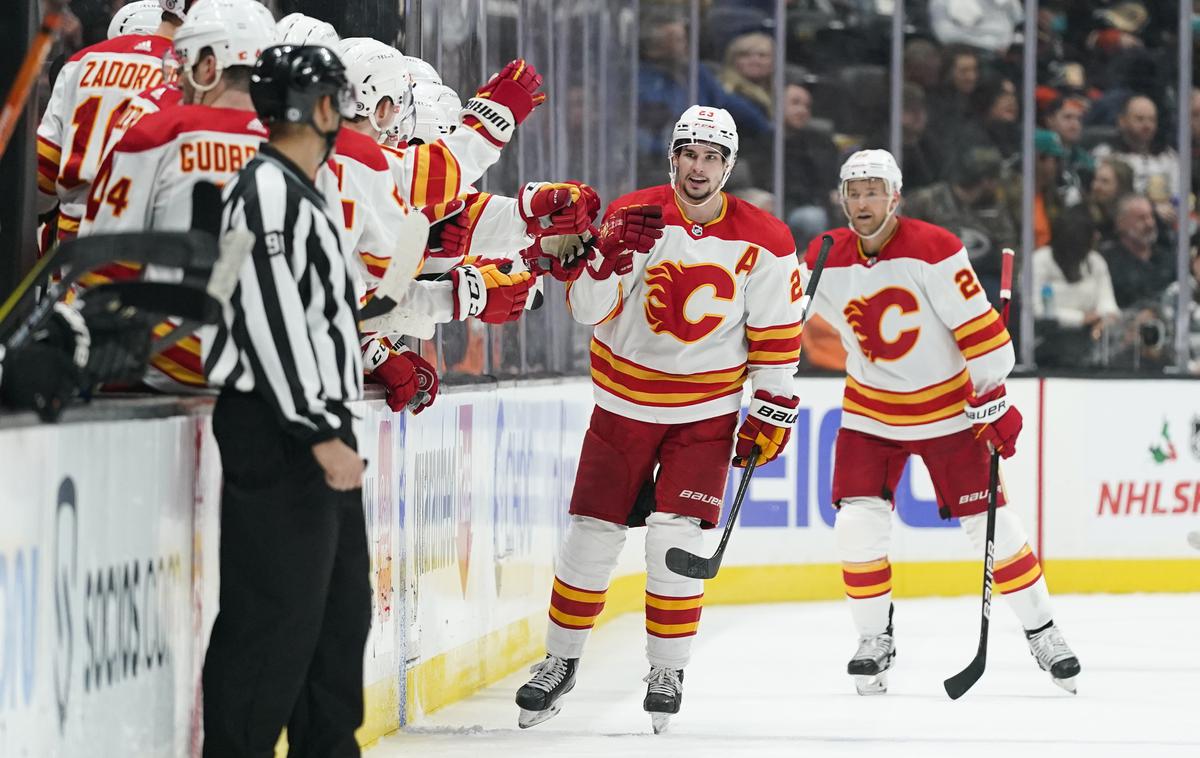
(290, 331)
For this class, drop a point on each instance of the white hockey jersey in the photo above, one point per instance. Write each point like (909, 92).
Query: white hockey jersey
(708, 307)
(88, 96)
(146, 182)
(437, 172)
(151, 101)
(918, 330)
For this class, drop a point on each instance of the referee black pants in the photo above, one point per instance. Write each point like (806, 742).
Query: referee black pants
(295, 599)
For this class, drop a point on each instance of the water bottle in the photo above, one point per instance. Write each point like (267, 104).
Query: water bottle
(1048, 300)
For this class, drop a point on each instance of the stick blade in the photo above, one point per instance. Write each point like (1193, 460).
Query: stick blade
(957, 685)
(690, 565)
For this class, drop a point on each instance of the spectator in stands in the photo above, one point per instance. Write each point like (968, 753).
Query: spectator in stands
(811, 164)
(1170, 302)
(1064, 117)
(922, 65)
(1050, 196)
(994, 118)
(1073, 293)
(663, 90)
(920, 153)
(1195, 106)
(1113, 180)
(1141, 266)
(948, 103)
(1155, 164)
(749, 69)
(971, 206)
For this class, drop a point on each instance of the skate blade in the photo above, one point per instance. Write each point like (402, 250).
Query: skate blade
(1067, 684)
(875, 684)
(660, 721)
(533, 718)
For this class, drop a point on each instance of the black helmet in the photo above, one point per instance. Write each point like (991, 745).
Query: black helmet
(288, 80)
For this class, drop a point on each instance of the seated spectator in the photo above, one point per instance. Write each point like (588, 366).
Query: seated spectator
(1113, 180)
(922, 63)
(971, 206)
(1064, 117)
(1050, 195)
(1195, 106)
(1170, 302)
(663, 91)
(1141, 266)
(748, 70)
(948, 102)
(810, 161)
(994, 118)
(1155, 165)
(921, 154)
(1073, 294)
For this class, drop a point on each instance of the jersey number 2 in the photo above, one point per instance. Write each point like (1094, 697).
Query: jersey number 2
(966, 283)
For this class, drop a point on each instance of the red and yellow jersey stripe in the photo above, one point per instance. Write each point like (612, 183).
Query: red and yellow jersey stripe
(573, 608)
(673, 616)
(981, 335)
(773, 345)
(646, 386)
(936, 402)
(867, 580)
(436, 176)
(181, 361)
(1018, 572)
(49, 156)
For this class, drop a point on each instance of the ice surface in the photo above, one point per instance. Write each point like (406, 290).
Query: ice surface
(769, 680)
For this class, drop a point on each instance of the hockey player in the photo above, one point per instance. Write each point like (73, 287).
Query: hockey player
(147, 179)
(88, 95)
(927, 360)
(693, 293)
(141, 17)
(299, 29)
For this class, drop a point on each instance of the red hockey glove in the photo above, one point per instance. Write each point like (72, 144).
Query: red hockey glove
(561, 256)
(996, 420)
(768, 425)
(447, 235)
(391, 368)
(504, 102)
(557, 208)
(427, 383)
(489, 294)
(634, 228)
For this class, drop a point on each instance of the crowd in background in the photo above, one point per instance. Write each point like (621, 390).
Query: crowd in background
(1107, 209)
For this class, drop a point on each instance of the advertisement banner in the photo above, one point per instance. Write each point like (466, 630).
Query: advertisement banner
(1122, 468)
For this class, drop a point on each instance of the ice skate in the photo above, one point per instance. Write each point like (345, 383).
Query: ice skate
(871, 662)
(538, 698)
(664, 693)
(1052, 654)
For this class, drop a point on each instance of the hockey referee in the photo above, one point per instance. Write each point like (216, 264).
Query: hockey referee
(295, 605)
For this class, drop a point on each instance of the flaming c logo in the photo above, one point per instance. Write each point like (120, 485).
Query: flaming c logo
(865, 316)
(671, 284)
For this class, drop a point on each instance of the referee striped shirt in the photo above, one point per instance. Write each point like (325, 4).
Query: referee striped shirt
(290, 331)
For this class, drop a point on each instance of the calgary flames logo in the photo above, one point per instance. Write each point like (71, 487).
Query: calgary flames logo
(865, 316)
(671, 284)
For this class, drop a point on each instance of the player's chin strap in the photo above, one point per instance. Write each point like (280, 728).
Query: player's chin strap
(883, 225)
(203, 89)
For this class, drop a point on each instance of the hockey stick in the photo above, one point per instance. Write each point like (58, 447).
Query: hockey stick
(957, 685)
(35, 58)
(689, 564)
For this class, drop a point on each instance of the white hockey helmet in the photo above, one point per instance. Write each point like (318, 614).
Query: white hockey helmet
(706, 125)
(437, 111)
(237, 31)
(872, 164)
(377, 70)
(299, 29)
(420, 71)
(142, 17)
(177, 8)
